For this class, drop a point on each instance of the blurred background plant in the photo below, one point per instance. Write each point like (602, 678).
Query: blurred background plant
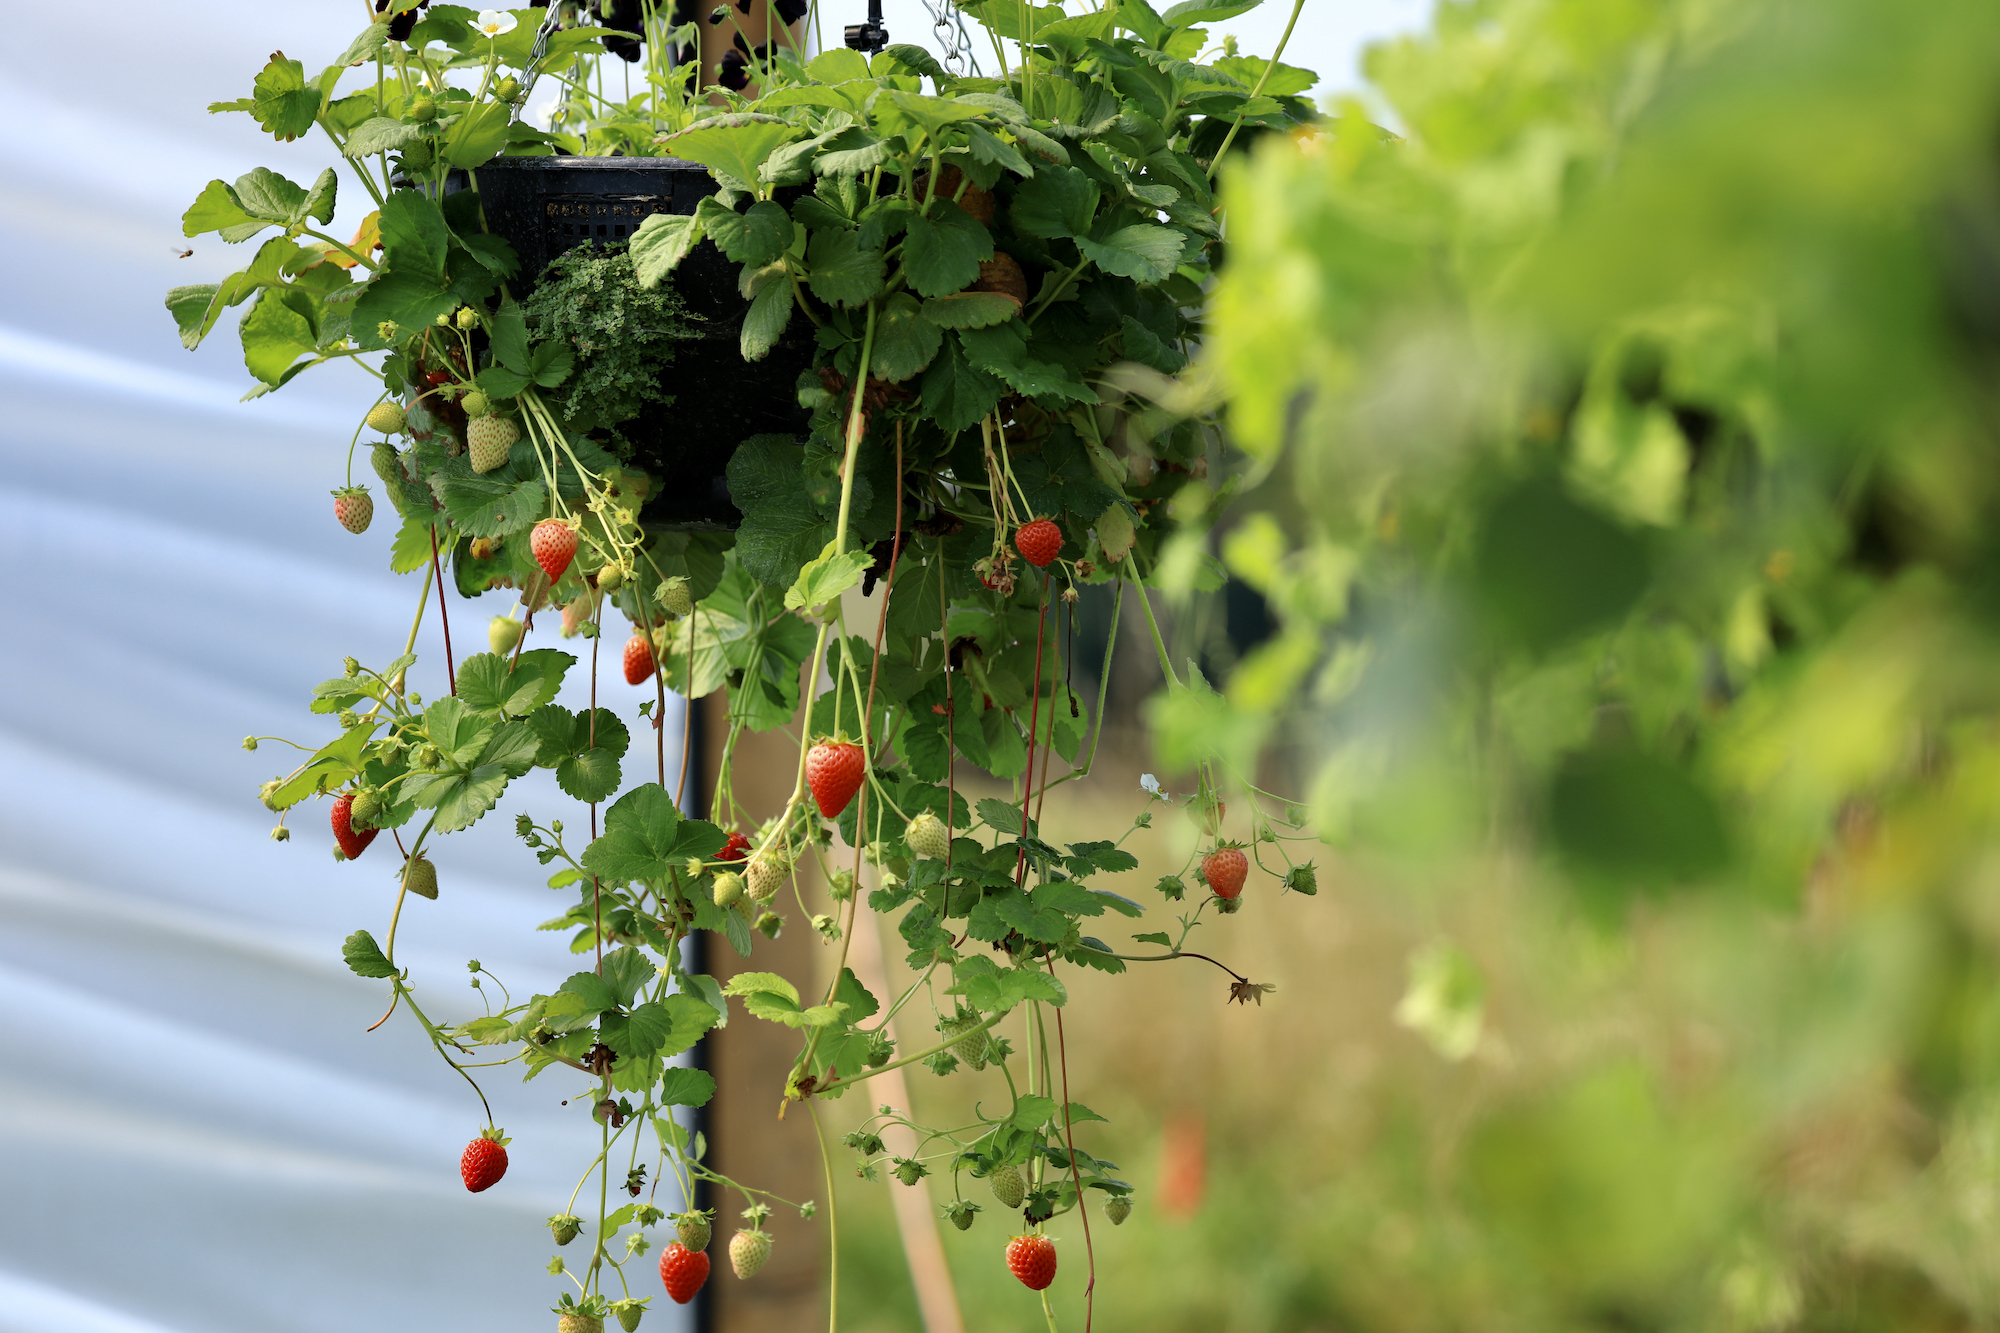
(1624, 506)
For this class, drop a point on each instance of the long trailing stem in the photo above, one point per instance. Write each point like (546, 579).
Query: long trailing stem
(1270, 67)
(832, 1227)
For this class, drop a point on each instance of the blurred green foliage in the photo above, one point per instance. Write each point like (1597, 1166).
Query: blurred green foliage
(1626, 490)
(1638, 400)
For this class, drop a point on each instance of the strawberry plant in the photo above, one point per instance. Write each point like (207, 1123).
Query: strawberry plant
(999, 278)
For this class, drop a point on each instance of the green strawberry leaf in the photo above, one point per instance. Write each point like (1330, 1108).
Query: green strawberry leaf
(515, 687)
(956, 393)
(860, 1002)
(477, 136)
(971, 310)
(1143, 251)
(1059, 201)
(686, 1087)
(661, 243)
(755, 238)
(905, 341)
(586, 771)
(626, 970)
(460, 799)
(841, 270)
(734, 144)
(825, 578)
(364, 957)
(770, 311)
(943, 252)
(283, 104)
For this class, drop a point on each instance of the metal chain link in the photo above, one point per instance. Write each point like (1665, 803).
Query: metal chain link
(949, 21)
(550, 22)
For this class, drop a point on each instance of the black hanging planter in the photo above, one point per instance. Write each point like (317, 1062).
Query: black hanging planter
(543, 206)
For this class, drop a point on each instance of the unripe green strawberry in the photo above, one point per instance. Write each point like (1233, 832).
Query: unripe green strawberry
(1303, 879)
(565, 1227)
(610, 578)
(628, 1312)
(388, 465)
(475, 403)
(507, 89)
(728, 890)
(961, 1213)
(421, 877)
(693, 1230)
(503, 634)
(367, 804)
(970, 1049)
(765, 875)
(927, 836)
(422, 111)
(910, 1171)
(675, 597)
(467, 318)
(388, 418)
(1117, 1208)
(490, 438)
(1008, 1187)
(747, 1252)
(354, 508)
(576, 1322)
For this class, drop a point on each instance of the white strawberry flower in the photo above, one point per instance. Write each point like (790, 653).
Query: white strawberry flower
(495, 22)
(1150, 783)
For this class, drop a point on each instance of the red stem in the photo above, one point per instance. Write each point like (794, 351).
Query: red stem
(444, 614)
(1069, 1140)
(1034, 714)
(596, 888)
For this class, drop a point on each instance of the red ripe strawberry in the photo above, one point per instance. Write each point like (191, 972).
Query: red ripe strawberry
(352, 844)
(683, 1271)
(738, 848)
(834, 770)
(1033, 1260)
(638, 660)
(1039, 542)
(1225, 869)
(554, 544)
(484, 1162)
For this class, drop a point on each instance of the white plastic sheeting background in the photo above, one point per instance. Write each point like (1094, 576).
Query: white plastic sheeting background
(196, 1132)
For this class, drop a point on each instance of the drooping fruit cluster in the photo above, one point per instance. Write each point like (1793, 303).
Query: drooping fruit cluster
(484, 1161)
(970, 1049)
(764, 875)
(420, 877)
(927, 836)
(352, 844)
(1008, 1187)
(387, 418)
(490, 439)
(1039, 542)
(354, 508)
(554, 545)
(748, 1250)
(1225, 869)
(834, 770)
(683, 1271)
(638, 660)
(503, 634)
(1032, 1258)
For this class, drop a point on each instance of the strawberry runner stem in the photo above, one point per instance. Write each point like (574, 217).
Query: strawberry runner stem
(1076, 1178)
(444, 615)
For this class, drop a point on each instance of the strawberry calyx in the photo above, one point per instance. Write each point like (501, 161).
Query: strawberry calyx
(498, 1136)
